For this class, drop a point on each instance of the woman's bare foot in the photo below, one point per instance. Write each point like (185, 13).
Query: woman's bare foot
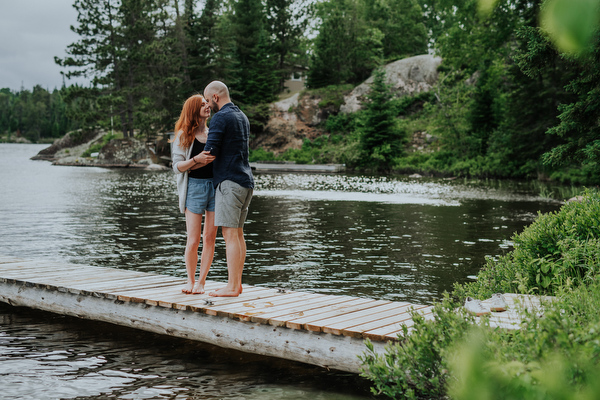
(198, 288)
(188, 287)
(226, 292)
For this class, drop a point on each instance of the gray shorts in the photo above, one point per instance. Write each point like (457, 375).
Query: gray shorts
(231, 204)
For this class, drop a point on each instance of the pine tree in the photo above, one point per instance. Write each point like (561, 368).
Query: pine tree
(579, 125)
(255, 75)
(347, 48)
(381, 139)
(286, 24)
(98, 55)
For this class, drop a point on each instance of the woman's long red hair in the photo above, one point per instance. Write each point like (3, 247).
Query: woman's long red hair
(189, 120)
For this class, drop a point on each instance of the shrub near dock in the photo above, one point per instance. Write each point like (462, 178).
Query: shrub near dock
(554, 356)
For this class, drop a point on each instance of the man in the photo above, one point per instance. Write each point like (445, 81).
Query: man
(228, 138)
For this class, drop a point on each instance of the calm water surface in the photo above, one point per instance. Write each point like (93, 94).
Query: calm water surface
(379, 237)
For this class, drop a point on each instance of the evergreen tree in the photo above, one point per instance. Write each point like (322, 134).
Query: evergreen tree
(254, 76)
(346, 49)
(36, 114)
(98, 54)
(381, 139)
(287, 21)
(579, 125)
(204, 45)
(401, 23)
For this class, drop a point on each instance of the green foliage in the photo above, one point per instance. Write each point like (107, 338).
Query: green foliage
(288, 22)
(343, 122)
(255, 72)
(96, 147)
(331, 95)
(415, 367)
(146, 57)
(357, 36)
(261, 154)
(258, 115)
(551, 356)
(326, 149)
(578, 127)
(35, 114)
(558, 249)
(572, 24)
(551, 376)
(381, 137)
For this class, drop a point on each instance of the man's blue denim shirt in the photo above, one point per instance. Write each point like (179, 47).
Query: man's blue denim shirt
(228, 140)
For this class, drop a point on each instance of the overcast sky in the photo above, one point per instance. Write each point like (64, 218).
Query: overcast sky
(32, 33)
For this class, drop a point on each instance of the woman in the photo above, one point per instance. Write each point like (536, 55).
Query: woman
(195, 188)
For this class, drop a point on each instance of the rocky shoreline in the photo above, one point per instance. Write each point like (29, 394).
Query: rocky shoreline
(74, 150)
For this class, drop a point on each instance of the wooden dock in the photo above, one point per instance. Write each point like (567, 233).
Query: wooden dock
(318, 329)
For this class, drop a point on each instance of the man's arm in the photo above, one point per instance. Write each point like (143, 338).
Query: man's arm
(215, 135)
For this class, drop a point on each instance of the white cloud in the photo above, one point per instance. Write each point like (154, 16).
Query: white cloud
(32, 33)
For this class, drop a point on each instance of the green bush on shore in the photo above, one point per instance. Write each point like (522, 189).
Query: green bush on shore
(553, 356)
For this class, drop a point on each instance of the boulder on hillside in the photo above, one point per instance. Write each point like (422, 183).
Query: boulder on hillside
(406, 77)
(292, 120)
(74, 142)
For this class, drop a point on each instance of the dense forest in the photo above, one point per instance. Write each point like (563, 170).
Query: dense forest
(512, 100)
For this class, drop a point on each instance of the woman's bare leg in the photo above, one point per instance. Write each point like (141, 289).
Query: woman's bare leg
(208, 250)
(193, 223)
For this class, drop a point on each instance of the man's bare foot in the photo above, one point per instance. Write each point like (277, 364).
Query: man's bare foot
(198, 288)
(226, 292)
(188, 287)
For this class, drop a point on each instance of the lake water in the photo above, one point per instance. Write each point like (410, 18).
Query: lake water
(390, 238)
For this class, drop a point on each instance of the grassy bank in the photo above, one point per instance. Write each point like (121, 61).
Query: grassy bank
(554, 356)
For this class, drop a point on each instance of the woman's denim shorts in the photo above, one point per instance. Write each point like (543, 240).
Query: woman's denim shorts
(200, 195)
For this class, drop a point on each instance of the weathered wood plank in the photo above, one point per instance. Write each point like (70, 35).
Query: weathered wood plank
(244, 310)
(345, 315)
(352, 304)
(253, 309)
(42, 267)
(147, 294)
(315, 328)
(337, 325)
(395, 316)
(204, 303)
(127, 282)
(288, 313)
(249, 294)
(390, 332)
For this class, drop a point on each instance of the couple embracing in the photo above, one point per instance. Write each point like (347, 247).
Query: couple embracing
(214, 179)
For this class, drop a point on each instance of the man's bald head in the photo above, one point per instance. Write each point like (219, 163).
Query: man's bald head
(217, 95)
(216, 87)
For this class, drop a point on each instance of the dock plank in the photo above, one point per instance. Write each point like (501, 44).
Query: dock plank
(352, 304)
(258, 306)
(395, 316)
(281, 315)
(372, 315)
(206, 304)
(357, 311)
(390, 332)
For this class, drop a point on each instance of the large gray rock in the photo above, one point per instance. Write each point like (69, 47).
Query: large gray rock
(406, 77)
